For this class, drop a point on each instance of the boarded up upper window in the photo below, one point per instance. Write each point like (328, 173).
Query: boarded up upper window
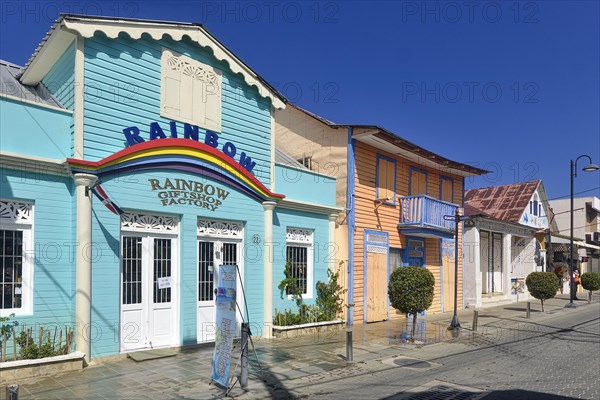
(418, 182)
(447, 189)
(386, 179)
(190, 91)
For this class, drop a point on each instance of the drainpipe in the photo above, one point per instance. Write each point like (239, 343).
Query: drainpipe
(331, 238)
(351, 225)
(83, 263)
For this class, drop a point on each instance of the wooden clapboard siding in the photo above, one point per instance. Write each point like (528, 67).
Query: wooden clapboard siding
(385, 218)
(123, 84)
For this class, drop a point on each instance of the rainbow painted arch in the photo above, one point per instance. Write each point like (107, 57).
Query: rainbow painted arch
(178, 154)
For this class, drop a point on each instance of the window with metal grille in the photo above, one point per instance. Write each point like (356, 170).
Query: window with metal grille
(230, 254)
(297, 256)
(162, 269)
(205, 275)
(131, 260)
(11, 279)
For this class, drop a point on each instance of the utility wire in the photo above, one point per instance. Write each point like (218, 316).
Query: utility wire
(568, 195)
(567, 229)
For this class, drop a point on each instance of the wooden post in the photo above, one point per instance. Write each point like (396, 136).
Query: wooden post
(69, 341)
(528, 310)
(475, 318)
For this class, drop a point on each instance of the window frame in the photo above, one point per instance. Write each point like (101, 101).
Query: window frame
(395, 194)
(307, 243)
(27, 268)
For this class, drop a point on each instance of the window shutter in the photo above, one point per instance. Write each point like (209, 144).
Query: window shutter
(213, 96)
(389, 183)
(170, 87)
(190, 91)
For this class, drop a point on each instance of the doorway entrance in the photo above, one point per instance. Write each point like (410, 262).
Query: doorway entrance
(149, 285)
(376, 271)
(219, 243)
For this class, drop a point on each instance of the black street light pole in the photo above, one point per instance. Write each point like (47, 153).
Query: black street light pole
(588, 168)
(455, 324)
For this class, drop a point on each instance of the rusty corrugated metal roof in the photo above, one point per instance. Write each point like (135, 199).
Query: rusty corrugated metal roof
(505, 203)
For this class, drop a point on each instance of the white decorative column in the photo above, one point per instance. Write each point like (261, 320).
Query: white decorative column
(83, 264)
(507, 262)
(471, 267)
(269, 206)
(332, 260)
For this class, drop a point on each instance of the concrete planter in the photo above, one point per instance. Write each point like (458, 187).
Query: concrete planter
(307, 329)
(12, 372)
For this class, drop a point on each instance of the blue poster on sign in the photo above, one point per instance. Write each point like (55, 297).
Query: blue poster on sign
(225, 321)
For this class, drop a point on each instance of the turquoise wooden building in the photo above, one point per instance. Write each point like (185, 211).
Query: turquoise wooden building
(164, 122)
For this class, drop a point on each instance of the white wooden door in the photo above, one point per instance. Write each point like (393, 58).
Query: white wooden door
(133, 294)
(212, 253)
(149, 279)
(206, 286)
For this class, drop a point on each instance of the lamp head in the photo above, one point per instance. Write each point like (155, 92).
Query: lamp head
(590, 168)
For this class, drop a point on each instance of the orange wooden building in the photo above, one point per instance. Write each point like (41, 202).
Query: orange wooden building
(396, 196)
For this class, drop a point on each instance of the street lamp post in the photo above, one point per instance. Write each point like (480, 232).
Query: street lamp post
(455, 323)
(588, 168)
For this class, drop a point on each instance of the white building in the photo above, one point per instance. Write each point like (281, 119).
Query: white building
(503, 242)
(586, 230)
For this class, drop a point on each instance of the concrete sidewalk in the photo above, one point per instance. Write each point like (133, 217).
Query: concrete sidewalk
(187, 375)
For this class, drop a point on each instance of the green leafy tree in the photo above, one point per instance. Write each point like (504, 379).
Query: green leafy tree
(330, 297)
(289, 285)
(590, 281)
(411, 291)
(542, 285)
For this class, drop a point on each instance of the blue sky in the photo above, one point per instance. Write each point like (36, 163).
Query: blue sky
(509, 86)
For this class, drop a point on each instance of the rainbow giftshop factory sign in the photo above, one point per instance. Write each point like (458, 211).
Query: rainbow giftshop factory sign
(210, 158)
(133, 136)
(188, 192)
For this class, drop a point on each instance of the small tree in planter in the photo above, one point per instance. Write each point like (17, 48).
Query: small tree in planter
(542, 285)
(590, 281)
(411, 291)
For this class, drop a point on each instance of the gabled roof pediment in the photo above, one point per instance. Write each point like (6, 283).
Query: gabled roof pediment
(68, 26)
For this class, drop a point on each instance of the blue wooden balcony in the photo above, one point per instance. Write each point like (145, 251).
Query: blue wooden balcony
(422, 215)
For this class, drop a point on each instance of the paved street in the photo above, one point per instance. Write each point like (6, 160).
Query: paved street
(552, 355)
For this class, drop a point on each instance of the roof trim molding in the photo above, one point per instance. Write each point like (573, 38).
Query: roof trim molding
(88, 26)
(38, 165)
(34, 103)
(497, 225)
(46, 55)
(298, 205)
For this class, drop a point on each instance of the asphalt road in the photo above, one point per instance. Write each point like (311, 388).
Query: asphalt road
(552, 356)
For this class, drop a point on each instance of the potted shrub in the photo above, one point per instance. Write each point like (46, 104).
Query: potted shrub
(542, 285)
(590, 281)
(411, 291)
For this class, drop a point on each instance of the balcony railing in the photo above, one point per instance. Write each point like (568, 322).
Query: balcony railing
(426, 212)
